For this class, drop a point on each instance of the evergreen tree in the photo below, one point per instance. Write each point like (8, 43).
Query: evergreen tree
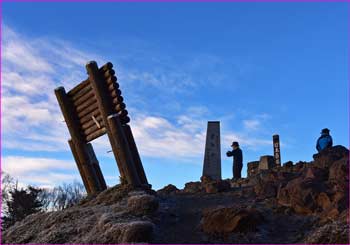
(21, 204)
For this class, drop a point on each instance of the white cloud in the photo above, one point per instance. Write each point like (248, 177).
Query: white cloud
(158, 137)
(32, 69)
(44, 172)
(251, 143)
(18, 165)
(252, 124)
(21, 54)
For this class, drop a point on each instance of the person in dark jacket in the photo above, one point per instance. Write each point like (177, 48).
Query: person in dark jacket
(237, 160)
(324, 141)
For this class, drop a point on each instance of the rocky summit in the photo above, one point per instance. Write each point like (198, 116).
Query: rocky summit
(306, 202)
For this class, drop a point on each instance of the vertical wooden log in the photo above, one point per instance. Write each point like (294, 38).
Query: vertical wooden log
(121, 147)
(77, 138)
(135, 154)
(80, 166)
(115, 133)
(96, 166)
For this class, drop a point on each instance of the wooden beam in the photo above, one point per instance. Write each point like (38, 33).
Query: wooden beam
(95, 134)
(87, 103)
(121, 148)
(115, 93)
(106, 66)
(92, 129)
(115, 133)
(96, 166)
(118, 100)
(77, 89)
(111, 80)
(120, 107)
(88, 110)
(135, 154)
(113, 86)
(88, 124)
(80, 167)
(88, 117)
(87, 96)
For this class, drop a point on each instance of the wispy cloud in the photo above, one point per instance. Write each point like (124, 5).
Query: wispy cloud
(21, 54)
(252, 124)
(44, 172)
(32, 69)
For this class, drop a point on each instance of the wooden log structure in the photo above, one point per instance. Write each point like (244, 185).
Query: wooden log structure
(92, 108)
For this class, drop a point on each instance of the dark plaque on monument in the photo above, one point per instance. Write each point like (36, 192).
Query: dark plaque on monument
(212, 155)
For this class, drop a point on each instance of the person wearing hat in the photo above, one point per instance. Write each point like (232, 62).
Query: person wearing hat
(237, 160)
(324, 141)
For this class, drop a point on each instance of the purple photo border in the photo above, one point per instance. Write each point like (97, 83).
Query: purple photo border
(163, 1)
(184, 1)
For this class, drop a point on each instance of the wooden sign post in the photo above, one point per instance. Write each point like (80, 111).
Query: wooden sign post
(276, 149)
(91, 109)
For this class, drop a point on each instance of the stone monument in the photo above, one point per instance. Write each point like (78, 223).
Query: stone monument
(212, 155)
(266, 162)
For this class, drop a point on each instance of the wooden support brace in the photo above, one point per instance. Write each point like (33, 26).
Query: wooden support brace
(96, 166)
(77, 138)
(135, 154)
(120, 147)
(80, 167)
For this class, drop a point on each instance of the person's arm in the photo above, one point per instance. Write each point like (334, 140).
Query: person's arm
(318, 145)
(229, 153)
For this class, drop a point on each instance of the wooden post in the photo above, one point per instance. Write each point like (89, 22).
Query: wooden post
(135, 154)
(77, 139)
(96, 166)
(121, 148)
(80, 166)
(115, 133)
(276, 149)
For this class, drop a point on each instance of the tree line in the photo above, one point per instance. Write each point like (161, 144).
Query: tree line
(17, 203)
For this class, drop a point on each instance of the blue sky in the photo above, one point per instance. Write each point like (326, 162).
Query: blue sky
(259, 68)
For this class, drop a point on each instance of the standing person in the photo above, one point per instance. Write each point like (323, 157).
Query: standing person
(324, 141)
(237, 159)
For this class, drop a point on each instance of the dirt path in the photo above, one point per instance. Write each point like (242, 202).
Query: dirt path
(179, 220)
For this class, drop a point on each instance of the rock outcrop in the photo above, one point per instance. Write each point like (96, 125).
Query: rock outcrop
(221, 221)
(114, 216)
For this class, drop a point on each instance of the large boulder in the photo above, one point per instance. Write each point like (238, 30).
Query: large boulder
(301, 194)
(339, 170)
(217, 186)
(206, 179)
(252, 168)
(137, 232)
(193, 187)
(328, 156)
(331, 233)
(266, 189)
(266, 184)
(230, 219)
(169, 189)
(142, 204)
